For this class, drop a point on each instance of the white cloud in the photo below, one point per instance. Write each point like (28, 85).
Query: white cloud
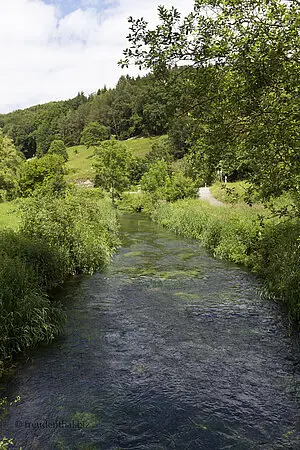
(48, 57)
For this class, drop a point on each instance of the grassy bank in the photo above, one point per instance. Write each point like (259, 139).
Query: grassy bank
(57, 237)
(81, 161)
(268, 247)
(238, 193)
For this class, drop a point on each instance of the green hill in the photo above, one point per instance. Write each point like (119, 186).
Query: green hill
(80, 163)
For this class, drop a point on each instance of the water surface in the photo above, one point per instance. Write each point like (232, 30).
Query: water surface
(167, 349)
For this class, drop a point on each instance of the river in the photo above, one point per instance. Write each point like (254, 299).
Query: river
(166, 349)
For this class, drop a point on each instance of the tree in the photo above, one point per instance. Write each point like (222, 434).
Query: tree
(161, 150)
(113, 166)
(11, 161)
(40, 173)
(156, 177)
(93, 134)
(44, 137)
(58, 147)
(20, 126)
(242, 85)
(70, 126)
(180, 133)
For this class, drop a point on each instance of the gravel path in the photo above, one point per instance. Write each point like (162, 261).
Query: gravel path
(204, 194)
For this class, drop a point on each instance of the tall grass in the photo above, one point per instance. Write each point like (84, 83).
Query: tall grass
(269, 247)
(58, 237)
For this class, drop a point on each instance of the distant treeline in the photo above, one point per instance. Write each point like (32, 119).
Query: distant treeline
(136, 106)
(224, 87)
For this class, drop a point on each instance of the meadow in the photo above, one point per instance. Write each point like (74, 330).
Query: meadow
(81, 160)
(9, 216)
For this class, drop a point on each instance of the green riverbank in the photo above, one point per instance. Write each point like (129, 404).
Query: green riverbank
(270, 247)
(57, 237)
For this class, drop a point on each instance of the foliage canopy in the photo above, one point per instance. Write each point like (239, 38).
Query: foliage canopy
(241, 77)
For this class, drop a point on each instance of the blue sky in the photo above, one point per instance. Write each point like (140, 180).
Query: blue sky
(68, 6)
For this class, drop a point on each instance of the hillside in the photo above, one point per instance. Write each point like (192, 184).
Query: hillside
(80, 163)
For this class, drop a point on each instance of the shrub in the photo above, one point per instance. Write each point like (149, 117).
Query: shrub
(81, 225)
(156, 177)
(50, 266)
(59, 236)
(40, 172)
(278, 260)
(178, 187)
(164, 185)
(141, 201)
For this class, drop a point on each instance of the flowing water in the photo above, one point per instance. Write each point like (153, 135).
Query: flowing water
(167, 349)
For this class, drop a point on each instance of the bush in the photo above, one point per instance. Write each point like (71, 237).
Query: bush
(41, 172)
(178, 187)
(278, 260)
(138, 202)
(50, 267)
(156, 177)
(164, 185)
(81, 225)
(58, 237)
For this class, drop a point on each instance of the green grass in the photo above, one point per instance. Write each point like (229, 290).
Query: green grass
(140, 147)
(231, 192)
(236, 193)
(80, 163)
(9, 215)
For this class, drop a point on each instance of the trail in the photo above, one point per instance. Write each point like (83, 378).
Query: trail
(205, 194)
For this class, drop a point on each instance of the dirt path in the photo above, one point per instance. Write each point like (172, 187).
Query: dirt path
(204, 194)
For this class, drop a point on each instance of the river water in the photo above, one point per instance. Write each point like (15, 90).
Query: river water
(167, 349)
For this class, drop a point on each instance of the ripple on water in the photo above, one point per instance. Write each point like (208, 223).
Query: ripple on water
(167, 349)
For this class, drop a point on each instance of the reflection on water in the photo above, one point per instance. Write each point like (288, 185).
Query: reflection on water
(168, 349)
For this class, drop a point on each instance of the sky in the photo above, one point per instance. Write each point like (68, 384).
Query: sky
(52, 49)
